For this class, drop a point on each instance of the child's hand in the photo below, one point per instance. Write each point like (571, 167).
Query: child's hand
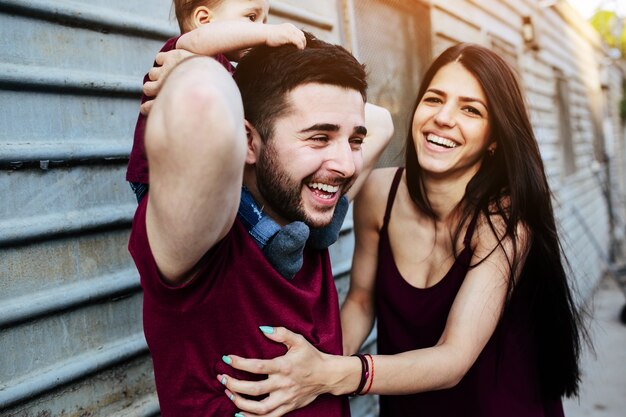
(167, 61)
(284, 34)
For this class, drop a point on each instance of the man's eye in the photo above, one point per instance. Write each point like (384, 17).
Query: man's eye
(356, 141)
(320, 138)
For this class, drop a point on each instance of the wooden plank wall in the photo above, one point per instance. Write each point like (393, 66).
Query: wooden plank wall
(615, 132)
(566, 44)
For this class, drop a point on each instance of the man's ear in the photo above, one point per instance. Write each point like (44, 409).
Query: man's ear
(254, 143)
(201, 16)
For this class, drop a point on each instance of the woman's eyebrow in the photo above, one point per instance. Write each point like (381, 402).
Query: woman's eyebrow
(464, 99)
(472, 99)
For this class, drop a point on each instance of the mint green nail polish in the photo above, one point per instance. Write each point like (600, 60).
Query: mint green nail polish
(227, 360)
(223, 381)
(231, 397)
(267, 329)
(239, 415)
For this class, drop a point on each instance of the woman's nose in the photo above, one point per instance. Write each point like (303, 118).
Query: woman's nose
(445, 116)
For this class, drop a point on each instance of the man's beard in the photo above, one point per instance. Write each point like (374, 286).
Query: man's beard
(282, 192)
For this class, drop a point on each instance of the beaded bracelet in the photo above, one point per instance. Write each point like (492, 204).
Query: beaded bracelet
(364, 374)
(369, 386)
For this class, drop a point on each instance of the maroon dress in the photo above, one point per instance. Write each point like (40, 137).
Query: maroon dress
(504, 379)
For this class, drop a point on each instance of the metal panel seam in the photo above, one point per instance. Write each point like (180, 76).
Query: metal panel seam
(49, 301)
(63, 150)
(342, 268)
(37, 228)
(89, 16)
(47, 78)
(146, 406)
(73, 369)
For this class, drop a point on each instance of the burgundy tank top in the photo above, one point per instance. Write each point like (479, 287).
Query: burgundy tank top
(502, 382)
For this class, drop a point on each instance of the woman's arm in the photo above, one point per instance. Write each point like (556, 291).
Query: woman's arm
(357, 311)
(472, 320)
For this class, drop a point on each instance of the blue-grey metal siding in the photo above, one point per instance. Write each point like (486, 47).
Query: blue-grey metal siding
(70, 301)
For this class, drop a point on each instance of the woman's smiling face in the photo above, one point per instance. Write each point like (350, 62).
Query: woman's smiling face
(451, 124)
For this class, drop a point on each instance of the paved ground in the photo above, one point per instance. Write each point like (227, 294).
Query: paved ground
(603, 392)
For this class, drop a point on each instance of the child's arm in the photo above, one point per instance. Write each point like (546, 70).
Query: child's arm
(216, 38)
(229, 36)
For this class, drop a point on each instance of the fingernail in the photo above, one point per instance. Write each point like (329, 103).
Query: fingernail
(227, 360)
(230, 395)
(267, 329)
(223, 380)
(239, 415)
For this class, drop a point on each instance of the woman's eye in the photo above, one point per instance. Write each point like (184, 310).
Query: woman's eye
(432, 99)
(252, 17)
(473, 110)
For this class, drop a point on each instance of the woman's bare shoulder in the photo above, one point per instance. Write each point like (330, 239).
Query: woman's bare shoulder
(381, 178)
(372, 199)
(377, 185)
(495, 231)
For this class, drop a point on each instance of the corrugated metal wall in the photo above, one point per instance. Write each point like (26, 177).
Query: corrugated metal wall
(70, 306)
(70, 302)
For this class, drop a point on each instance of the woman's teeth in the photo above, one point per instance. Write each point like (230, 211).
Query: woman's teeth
(438, 140)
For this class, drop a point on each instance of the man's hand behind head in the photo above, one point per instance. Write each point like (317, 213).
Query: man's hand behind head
(165, 61)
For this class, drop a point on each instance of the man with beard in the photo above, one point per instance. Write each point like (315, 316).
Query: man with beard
(200, 239)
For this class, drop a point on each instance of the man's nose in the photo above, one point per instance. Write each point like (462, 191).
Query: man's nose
(341, 160)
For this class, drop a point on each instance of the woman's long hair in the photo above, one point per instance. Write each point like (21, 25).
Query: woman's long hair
(512, 184)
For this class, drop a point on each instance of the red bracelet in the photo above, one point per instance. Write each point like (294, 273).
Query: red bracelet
(369, 386)
(364, 373)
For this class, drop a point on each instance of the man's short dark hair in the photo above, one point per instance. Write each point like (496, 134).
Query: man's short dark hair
(266, 74)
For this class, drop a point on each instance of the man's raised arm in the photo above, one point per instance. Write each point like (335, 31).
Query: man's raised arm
(379, 132)
(196, 146)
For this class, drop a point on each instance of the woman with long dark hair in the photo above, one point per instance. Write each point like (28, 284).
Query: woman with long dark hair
(458, 258)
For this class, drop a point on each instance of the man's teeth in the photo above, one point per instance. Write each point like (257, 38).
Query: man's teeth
(324, 187)
(441, 141)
